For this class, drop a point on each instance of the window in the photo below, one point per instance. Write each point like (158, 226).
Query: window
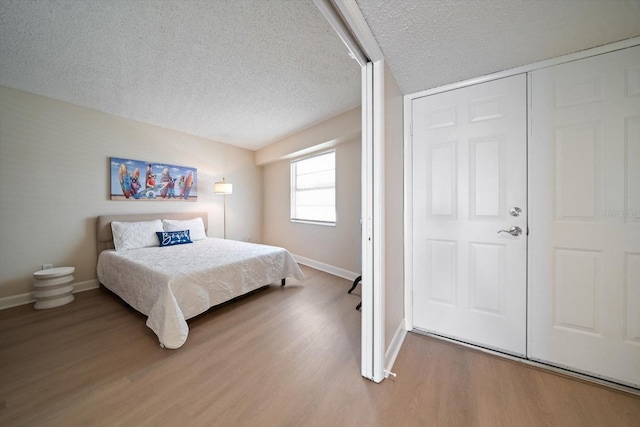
(313, 189)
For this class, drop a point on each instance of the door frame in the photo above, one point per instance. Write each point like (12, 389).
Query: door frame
(345, 18)
(373, 253)
(408, 152)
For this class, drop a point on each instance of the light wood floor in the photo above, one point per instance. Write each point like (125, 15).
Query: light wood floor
(280, 357)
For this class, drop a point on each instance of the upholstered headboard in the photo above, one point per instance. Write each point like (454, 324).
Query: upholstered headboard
(105, 237)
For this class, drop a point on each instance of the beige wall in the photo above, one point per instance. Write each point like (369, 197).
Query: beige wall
(54, 181)
(394, 208)
(329, 133)
(337, 246)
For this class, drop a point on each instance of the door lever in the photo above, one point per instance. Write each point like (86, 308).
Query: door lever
(514, 231)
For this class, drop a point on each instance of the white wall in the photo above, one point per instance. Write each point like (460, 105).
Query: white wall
(337, 246)
(54, 181)
(394, 208)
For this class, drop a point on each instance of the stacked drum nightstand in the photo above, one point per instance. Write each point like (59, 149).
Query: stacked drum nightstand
(53, 287)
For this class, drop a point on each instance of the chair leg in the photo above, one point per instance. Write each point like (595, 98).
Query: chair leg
(355, 283)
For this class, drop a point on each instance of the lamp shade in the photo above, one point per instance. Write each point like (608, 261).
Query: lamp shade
(223, 187)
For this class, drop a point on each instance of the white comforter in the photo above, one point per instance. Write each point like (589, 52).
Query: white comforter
(175, 283)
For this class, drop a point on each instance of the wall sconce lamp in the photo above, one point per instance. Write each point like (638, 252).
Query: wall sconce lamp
(224, 188)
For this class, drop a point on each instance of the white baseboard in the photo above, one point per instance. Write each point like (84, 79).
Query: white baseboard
(86, 285)
(394, 348)
(28, 298)
(16, 300)
(345, 274)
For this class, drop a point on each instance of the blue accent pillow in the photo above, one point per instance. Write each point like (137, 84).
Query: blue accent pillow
(170, 238)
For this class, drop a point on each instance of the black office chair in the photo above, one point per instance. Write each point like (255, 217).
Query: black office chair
(355, 283)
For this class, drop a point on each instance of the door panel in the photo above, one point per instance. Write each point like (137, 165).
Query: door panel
(584, 169)
(469, 169)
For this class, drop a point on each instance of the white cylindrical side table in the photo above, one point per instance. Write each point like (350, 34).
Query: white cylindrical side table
(54, 287)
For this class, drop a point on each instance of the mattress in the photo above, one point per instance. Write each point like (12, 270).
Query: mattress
(175, 283)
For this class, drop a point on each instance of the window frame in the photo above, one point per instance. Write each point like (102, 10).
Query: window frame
(293, 176)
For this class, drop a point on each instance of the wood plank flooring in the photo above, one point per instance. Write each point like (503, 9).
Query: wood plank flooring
(283, 356)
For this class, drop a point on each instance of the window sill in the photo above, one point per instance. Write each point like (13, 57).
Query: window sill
(304, 221)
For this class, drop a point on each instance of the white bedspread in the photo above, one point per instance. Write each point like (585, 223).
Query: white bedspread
(175, 283)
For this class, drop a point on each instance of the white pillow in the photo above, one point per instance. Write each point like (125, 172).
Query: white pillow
(195, 227)
(133, 235)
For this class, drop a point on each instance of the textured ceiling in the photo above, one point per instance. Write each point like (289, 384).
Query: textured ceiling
(242, 72)
(250, 72)
(430, 43)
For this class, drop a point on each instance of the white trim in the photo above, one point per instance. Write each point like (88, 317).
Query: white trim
(394, 348)
(408, 214)
(379, 252)
(336, 20)
(16, 300)
(358, 25)
(308, 221)
(28, 298)
(336, 271)
(316, 153)
(529, 211)
(530, 67)
(366, 336)
(373, 255)
(373, 252)
(86, 285)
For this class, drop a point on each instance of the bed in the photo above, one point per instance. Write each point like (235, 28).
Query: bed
(171, 284)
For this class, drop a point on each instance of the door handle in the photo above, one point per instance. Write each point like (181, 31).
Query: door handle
(514, 231)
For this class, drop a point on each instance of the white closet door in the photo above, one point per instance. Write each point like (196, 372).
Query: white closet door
(469, 170)
(584, 181)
